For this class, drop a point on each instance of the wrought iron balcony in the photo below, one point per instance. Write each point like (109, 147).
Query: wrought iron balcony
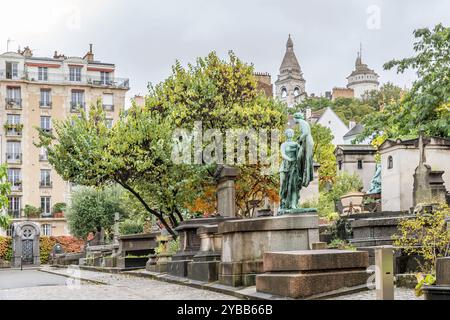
(77, 106)
(13, 129)
(13, 157)
(45, 184)
(66, 78)
(45, 104)
(13, 103)
(108, 107)
(14, 213)
(16, 186)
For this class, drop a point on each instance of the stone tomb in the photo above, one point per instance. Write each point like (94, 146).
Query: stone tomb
(189, 244)
(134, 249)
(244, 243)
(205, 264)
(306, 273)
(26, 244)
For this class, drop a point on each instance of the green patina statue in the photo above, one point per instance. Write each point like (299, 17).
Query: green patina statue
(296, 170)
(375, 183)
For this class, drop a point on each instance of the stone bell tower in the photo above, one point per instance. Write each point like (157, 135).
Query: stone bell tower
(290, 85)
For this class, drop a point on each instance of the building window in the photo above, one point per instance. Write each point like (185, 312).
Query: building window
(46, 229)
(296, 92)
(109, 123)
(43, 154)
(42, 73)
(75, 74)
(10, 230)
(46, 123)
(108, 101)
(45, 178)
(45, 206)
(390, 163)
(340, 165)
(283, 92)
(360, 164)
(77, 100)
(12, 70)
(13, 152)
(13, 125)
(13, 96)
(105, 78)
(14, 178)
(14, 206)
(46, 100)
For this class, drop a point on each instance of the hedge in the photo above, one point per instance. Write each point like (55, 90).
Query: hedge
(46, 244)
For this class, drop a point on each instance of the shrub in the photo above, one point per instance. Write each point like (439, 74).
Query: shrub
(31, 211)
(45, 247)
(426, 235)
(69, 243)
(341, 229)
(131, 227)
(5, 248)
(59, 207)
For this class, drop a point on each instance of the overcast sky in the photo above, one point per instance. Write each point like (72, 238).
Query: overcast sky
(144, 38)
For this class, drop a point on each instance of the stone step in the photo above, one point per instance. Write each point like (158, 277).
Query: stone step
(315, 260)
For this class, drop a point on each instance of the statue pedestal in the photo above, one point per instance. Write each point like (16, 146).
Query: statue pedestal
(246, 241)
(283, 212)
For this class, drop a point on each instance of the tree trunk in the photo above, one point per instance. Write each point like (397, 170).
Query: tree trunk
(150, 210)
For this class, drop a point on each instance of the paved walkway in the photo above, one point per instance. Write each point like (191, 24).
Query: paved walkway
(399, 294)
(27, 285)
(65, 284)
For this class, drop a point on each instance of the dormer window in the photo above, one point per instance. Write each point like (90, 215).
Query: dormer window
(105, 77)
(75, 73)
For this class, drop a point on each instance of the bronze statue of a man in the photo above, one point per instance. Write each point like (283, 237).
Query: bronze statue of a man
(297, 169)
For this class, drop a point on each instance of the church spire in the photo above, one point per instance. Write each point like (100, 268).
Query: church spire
(290, 62)
(289, 43)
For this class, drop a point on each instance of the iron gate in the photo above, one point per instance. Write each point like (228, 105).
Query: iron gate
(27, 251)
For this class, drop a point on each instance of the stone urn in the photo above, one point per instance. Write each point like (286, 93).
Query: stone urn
(352, 202)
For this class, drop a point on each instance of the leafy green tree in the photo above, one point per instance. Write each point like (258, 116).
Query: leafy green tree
(427, 105)
(388, 93)
(323, 153)
(348, 109)
(223, 95)
(92, 209)
(135, 154)
(5, 190)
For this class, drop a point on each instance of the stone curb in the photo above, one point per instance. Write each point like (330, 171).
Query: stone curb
(70, 276)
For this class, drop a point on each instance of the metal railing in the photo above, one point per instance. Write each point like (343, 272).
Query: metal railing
(45, 104)
(13, 132)
(13, 103)
(77, 106)
(45, 184)
(13, 157)
(108, 107)
(14, 213)
(66, 78)
(16, 186)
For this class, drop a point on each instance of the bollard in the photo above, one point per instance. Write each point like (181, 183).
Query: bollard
(384, 272)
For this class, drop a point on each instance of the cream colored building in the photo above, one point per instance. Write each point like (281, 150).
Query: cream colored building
(399, 160)
(34, 91)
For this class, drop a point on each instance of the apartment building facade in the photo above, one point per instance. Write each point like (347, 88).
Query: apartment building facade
(34, 91)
